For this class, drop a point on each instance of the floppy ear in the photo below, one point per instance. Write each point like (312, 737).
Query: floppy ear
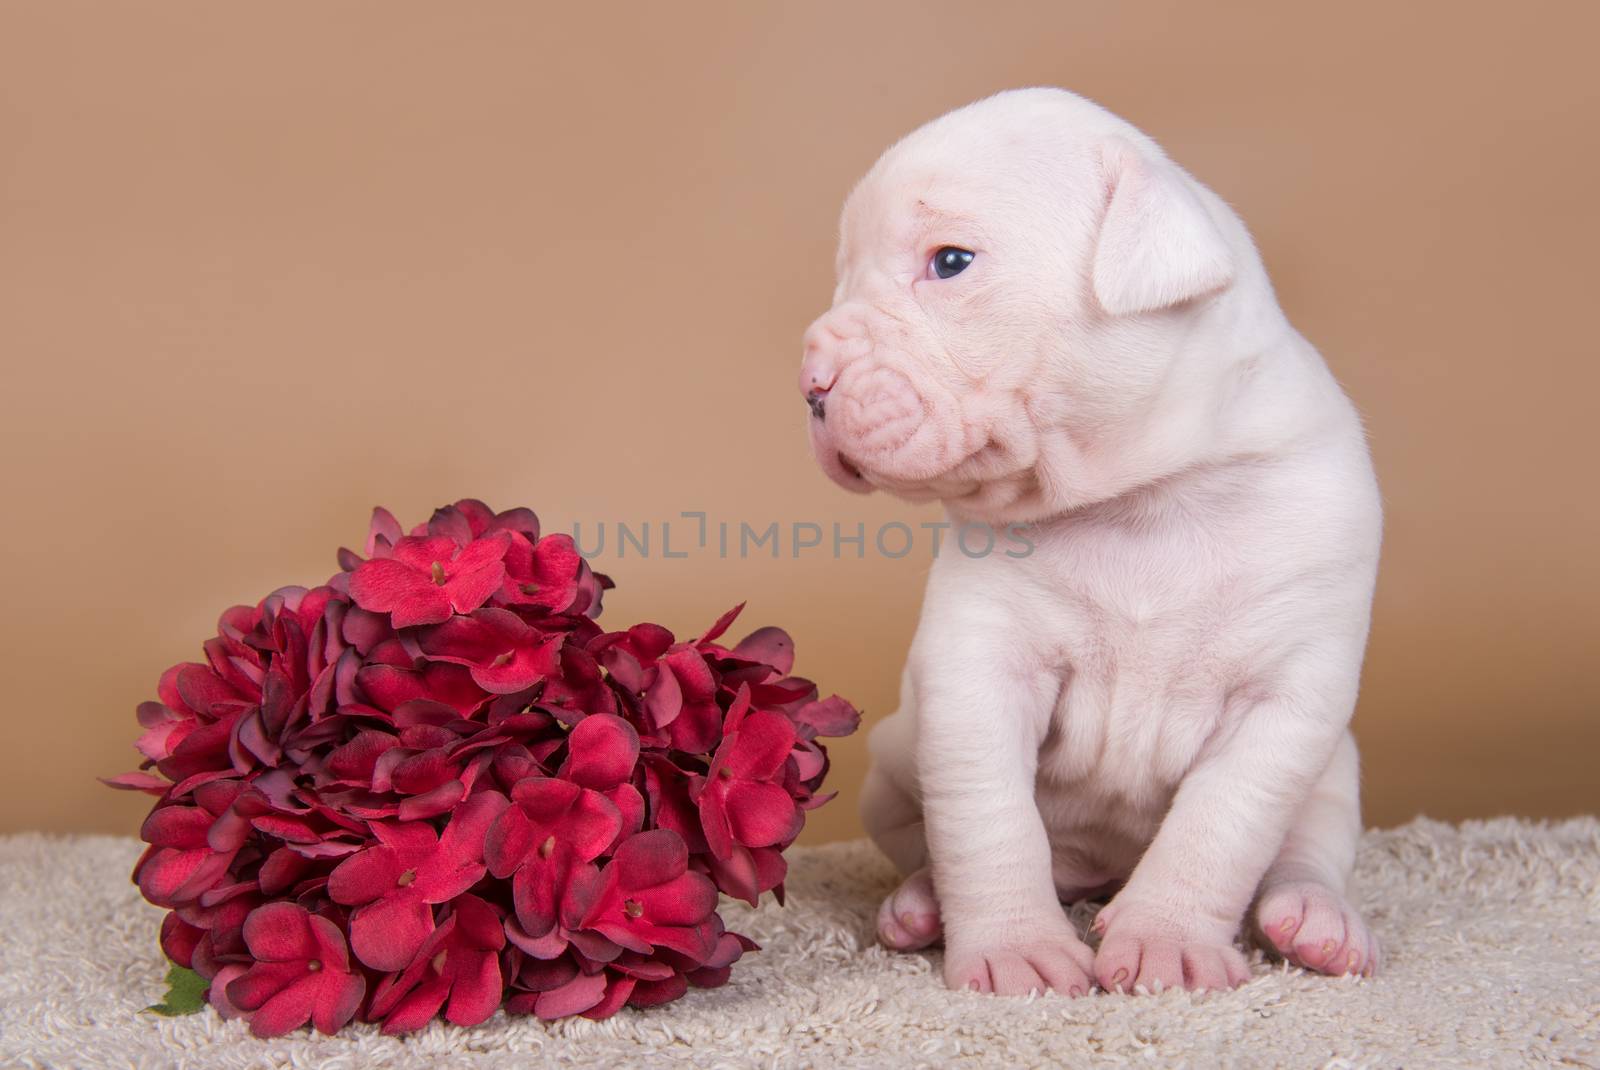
(1157, 245)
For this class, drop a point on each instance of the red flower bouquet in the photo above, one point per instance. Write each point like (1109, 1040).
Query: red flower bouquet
(435, 785)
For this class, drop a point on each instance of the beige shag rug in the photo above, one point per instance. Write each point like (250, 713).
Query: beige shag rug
(1491, 934)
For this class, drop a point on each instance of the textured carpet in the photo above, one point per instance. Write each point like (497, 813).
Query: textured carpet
(1490, 934)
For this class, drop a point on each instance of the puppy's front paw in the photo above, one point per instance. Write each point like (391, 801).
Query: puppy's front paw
(1316, 928)
(1053, 958)
(1143, 952)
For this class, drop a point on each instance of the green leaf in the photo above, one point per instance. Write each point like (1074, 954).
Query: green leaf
(186, 993)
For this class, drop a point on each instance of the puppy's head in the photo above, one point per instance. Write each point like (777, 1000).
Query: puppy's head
(1016, 284)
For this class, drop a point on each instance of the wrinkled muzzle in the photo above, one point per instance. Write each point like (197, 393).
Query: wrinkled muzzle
(877, 417)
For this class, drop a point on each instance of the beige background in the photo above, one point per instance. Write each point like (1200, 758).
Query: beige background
(263, 266)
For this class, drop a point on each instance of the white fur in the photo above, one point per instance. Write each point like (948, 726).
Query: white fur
(1159, 694)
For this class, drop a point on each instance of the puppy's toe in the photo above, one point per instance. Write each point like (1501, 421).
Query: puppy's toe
(1314, 927)
(1208, 968)
(1059, 963)
(1148, 952)
(908, 919)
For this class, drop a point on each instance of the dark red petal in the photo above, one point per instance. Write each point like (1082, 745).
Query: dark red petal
(697, 728)
(508, 842)
(280, 932)
(365, 876)
(413, 841)
(432, 803)
(723, 622)
(655, 993)
(289, 1009)
(651, 858)
(541, 975)
(463, 838)
(576, 996)
(405, 592)
(534, 891)
(688, 899)
(630, 804)
(217, 994)
(714, 822)
(602, 751)
(387, 932)
(418, 1007)
(183, 827)
(478, 986)
(729, 949)
(590, 826)
(451, 523)
(736, 874)
(762, 746)
(165, 873)
(420, 552)
(261, 982)
(331, 949)
(769, 646)
(694, 675)
(204, 691)
(832, 716)
(337, 1001)
(178, 939)
(523, 521)
(469, 590)
(618, 989)
(384, 526)
(526, 667)
(137, 781)
(478, 923)
(548, 946)
(545, 799)
(663, 699)
(760, 814)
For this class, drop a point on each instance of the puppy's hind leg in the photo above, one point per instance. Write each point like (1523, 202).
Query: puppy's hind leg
(909, 916)
(1303, 911)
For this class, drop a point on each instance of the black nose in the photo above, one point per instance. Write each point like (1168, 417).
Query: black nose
(817, 400)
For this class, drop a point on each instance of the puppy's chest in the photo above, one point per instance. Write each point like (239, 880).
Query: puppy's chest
(1151, 634)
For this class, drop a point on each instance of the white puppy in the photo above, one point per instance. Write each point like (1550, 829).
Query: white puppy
(1040, 318)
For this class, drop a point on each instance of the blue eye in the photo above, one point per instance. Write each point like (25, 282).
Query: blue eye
(950, 261)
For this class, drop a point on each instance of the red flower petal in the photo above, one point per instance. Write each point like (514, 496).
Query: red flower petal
(651, 858)
(655, 993)
(761, 814)
(508, 842)
(261, 982)
(401, 590)
(722, 624)
(475, 996)
(762, 746)
(178, 939)
(337, 1001)
(714, 822)
(386, 933)
(280, 932)
(832, 716)
(574, 997)
(618, 991)
(365, 876)
(687, 899)
(289, 1009)
(769, 646)
(136, 781)
(183, 827)
(602, 751)
(432, 803)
